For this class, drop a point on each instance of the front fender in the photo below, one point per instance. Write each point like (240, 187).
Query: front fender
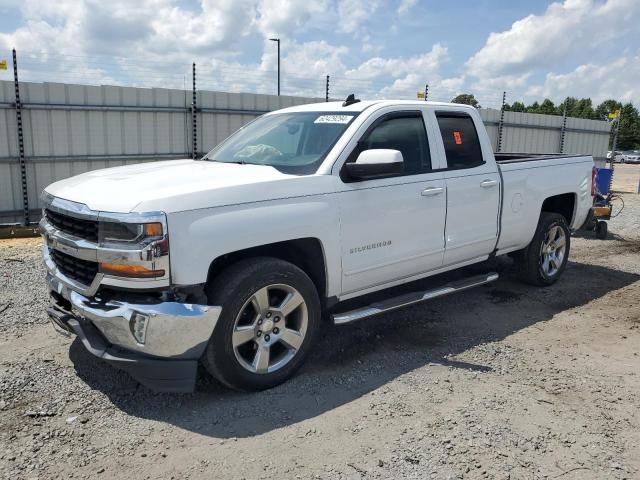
(200, 236)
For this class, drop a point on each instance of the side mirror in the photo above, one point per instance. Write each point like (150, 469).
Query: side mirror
(376, 163)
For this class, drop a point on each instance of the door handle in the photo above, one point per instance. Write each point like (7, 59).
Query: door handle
(488, 183)
(432, 191)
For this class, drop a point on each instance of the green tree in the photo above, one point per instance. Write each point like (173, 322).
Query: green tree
(568, 105)
(603, 110)
(548, 108)
(466, 99)
(533, 108)
(629, 129)
(515, 107)
(585, 108)
(582, 108)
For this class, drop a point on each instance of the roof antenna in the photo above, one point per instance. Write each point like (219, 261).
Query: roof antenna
(351, 99)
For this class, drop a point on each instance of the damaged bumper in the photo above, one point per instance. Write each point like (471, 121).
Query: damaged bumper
(159, 344)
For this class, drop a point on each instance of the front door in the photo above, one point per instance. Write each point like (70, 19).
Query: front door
(393, 228)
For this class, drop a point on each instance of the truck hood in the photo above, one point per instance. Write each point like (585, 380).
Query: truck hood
(176, 185)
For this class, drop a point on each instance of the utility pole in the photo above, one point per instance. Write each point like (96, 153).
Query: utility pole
(277, 40)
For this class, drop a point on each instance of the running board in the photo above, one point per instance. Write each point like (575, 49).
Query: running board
(412, 298)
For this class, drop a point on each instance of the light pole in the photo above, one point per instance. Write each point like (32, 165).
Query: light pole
(277, 40)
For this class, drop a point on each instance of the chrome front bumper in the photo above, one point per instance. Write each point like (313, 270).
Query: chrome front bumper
(158, 342)
(171, 329)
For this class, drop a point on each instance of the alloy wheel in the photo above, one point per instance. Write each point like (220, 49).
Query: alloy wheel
(553, 250)
(270, 328)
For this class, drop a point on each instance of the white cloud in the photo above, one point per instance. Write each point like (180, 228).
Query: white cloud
(427, 63)
(572, 27)
(617, 79)
(370, 45)
(408, 74)
(406, 6)
(283, 17)
(354, 13)
(220, 23)
(96, 42)
(153, 42)
(315, 59)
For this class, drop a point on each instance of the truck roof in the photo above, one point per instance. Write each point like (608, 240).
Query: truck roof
(362, 105)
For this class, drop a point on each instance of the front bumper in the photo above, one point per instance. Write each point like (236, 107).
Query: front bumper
(161, 353)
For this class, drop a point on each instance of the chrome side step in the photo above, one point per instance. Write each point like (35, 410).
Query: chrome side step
(411, 298)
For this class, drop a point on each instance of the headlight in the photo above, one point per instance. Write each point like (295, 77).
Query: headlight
(129, 233)
(150, 239)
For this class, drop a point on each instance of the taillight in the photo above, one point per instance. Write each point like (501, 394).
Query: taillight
(594, 172)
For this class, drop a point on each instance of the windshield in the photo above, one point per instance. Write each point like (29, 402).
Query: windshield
(293, 143)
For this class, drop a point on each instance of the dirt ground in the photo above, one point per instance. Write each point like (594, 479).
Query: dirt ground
(504, 381)
(626, 178)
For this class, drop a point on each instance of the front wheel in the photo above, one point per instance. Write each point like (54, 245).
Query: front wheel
(545, 258)
(269, 318)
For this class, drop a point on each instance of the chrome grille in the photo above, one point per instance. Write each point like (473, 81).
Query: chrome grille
(82, 271)
(86, 229)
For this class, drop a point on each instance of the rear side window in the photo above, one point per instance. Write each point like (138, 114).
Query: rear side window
(405, 133)
(461, 143)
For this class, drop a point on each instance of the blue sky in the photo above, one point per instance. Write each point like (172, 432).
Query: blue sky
(532, 49)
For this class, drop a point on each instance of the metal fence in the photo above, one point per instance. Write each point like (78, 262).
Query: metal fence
(70, 129)
(537, 133)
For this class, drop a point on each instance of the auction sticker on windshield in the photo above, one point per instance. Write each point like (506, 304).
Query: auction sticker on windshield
(333, 119)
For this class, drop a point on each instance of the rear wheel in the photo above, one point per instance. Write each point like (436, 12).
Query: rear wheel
(270, 315)
(545, 258)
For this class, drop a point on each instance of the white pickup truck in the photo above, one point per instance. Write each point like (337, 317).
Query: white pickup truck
(239, 259)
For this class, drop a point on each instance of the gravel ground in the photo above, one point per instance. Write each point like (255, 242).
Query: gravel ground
(504, 381)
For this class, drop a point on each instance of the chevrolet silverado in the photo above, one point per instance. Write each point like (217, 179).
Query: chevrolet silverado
(237, 260)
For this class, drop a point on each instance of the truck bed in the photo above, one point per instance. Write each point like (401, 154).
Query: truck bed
(508, 157)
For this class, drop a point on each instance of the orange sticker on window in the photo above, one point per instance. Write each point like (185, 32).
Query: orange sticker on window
(457, 137)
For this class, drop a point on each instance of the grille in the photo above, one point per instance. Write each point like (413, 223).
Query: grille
(86, 229)
(82, 271)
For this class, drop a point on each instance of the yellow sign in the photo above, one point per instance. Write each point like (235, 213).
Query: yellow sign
(420, 94)
(3, 64)
(614, 115)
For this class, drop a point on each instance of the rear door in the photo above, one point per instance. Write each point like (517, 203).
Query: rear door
(473, 190)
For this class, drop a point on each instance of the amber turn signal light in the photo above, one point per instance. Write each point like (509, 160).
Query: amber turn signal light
(130, 271)
(153, 229)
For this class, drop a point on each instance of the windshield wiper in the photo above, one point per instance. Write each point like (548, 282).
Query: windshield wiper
(239, 162)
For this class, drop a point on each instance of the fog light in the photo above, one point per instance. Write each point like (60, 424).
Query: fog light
(138, 325)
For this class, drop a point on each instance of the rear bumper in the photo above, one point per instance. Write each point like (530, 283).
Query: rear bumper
(159, 344)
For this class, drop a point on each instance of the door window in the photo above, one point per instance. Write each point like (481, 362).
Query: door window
(461, 143)
(406, 134)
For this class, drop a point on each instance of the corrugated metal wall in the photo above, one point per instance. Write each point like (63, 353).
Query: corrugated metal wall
(71, 129)
(536, 133)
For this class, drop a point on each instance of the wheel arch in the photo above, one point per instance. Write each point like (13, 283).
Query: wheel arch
(563, 204)
(306, 253)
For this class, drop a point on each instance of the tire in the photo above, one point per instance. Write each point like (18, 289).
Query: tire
(601, 230)
(287, 336)
(542, 262)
